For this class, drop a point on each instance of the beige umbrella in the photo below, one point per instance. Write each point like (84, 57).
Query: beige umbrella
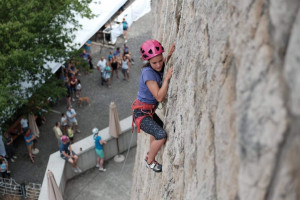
(53, 190)
(115, 128)
(33, 126)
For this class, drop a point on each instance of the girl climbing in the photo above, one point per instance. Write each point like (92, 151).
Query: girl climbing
(152, 90)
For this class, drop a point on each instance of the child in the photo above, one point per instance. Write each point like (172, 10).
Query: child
(78, 88)
(107, 74)
(29, 137)
(99, 149)
(70, 134)
(152, 90)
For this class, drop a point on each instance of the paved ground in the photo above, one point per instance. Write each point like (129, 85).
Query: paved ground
(114, 184)
(95, 115)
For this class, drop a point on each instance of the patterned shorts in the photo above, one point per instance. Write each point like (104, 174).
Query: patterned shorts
(152, 126)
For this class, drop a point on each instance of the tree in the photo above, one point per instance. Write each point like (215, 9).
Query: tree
(32, 33)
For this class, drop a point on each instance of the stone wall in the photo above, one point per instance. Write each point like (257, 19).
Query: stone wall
(233, 108)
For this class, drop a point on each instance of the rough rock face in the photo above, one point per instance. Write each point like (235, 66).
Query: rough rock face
(233, 108)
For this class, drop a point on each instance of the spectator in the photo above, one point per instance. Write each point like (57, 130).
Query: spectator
(29, 137)
(5, 173)
(78, 89)
(2, 147)
(110, 56)
(64, 123)
(90, 60)
(73, 82)
(67, 154)
(9, 147)
(72, 70)
(101, 66)
(125, 29)
(70, 133)
(125, 50)
(24, 123)
(117, 52)
(87, 46)
(107, 74)
(99, 149)
(85, 55)
(125, 68)
(114, 65)
(69, 91)
(71, 114)
(57, 132)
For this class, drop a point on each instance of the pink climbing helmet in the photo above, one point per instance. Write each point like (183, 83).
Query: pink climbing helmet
(150, 49)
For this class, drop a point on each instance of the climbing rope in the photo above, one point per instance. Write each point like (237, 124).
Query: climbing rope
(127, 151)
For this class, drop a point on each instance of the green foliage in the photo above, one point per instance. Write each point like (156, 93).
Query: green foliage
(33, 32)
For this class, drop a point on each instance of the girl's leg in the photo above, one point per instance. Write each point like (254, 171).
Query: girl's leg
(98, 161)
(29, 148)
(101, 162)
(154, 127)
(117, 72)
(155, 146)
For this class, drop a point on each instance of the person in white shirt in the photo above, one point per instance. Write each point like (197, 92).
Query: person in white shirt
(101, 66)
(24, 123)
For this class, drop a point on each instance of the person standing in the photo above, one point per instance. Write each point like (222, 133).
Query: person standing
(110, 56)
(71, 114)
(64, 123)
(125, 29)
(117, 52)
(153, 88)
(114, 65)
(101, 66)
(125, 68)
(9, 147)
(87, 46)
(107, 74)
(57, 132)
(68, 154)
(2, 147)
(29, 137)
(24, 123)
(99, 142)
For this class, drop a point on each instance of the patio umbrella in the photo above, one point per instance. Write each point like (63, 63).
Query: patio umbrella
(53, 190)
(115, 128)
(34, 128)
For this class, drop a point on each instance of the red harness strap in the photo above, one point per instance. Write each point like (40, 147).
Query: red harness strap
(142, 106)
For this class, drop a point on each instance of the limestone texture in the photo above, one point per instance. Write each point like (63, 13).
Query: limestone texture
(232, 113)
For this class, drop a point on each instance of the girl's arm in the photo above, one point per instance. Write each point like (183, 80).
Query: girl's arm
(160, 93)
(172, 49)
(102, 142)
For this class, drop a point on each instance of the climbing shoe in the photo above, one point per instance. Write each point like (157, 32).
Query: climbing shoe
(155, 166)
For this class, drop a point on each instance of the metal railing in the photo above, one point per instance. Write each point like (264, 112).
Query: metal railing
(10, 189)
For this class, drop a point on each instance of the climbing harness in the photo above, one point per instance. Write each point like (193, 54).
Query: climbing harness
(147, 109)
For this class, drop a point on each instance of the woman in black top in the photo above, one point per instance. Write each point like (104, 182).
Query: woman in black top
(115, 65)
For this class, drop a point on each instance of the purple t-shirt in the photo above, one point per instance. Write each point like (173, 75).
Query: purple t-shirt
(144, 94)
